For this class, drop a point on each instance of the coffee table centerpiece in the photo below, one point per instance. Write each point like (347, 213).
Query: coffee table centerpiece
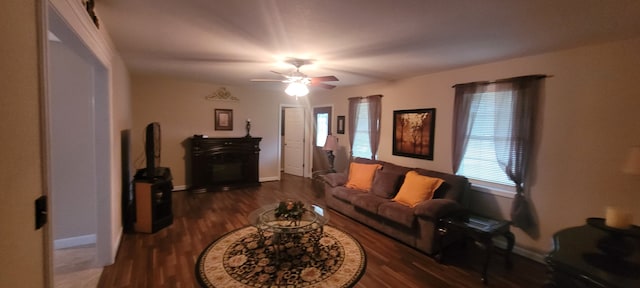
(290, 210)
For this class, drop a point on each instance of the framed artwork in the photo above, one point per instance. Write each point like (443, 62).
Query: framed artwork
(224, 119)
(413, 133)
(340, 128)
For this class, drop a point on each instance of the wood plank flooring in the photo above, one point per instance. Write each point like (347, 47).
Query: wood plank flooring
(167, 258)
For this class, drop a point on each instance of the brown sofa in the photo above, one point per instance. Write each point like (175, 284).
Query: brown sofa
(417, 226)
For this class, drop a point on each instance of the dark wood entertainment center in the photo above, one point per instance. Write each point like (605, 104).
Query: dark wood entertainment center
(224, 163)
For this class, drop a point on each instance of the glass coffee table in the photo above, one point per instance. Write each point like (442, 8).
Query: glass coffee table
(282, 231)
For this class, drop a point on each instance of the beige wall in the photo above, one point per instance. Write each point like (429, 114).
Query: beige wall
(21, 173)
(181, 109)
(589, 120)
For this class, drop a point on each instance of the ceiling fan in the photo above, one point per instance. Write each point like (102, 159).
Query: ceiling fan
(298, 81)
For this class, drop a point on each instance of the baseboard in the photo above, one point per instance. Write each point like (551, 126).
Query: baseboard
(179, 188)
(115, 248)
(267, 179)
(74, 241)
(533, 255)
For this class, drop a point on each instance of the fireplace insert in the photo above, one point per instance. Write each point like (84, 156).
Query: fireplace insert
(224, 163)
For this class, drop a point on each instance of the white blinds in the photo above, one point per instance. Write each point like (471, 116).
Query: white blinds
(490, 129)
(361, 146)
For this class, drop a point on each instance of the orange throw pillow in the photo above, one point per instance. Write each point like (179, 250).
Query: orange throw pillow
(361, 175)
(417, 188)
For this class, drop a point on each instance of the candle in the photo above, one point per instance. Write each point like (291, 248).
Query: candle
(618, 218)
(248, 119)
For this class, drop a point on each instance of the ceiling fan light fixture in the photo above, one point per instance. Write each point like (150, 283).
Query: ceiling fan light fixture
(297, 89)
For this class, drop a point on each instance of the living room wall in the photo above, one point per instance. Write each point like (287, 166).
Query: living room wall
(587, 123)
(181, 108)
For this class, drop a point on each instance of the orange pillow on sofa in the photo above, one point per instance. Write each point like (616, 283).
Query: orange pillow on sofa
(417, 188)
(361, 175)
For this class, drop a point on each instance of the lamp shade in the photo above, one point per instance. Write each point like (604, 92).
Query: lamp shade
(297, 89)
(632, 166)
(331, 144)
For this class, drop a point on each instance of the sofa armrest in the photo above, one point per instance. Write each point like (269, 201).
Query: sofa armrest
(438, 208)
(335, 179)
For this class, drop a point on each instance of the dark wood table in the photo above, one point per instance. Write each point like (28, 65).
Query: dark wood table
(482, 230)
(577, 261)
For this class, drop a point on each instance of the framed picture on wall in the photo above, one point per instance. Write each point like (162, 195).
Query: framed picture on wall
(414, 132)
(223, 119)
(340, 128)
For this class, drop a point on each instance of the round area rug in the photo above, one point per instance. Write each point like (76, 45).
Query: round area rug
(238, 260)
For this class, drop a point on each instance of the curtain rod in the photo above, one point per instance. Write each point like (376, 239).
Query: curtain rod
(536, 76)
(362, 97)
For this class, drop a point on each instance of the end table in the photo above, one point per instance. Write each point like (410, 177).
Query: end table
(482, 230)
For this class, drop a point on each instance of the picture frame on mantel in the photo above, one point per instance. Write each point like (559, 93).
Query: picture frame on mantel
(414, 132)
(223, 119)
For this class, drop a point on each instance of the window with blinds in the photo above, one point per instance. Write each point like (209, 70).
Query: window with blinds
(489, 135)
(322, 128)
(361, 145)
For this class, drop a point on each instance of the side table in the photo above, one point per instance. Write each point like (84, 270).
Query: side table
(482, 230)
(577, 261)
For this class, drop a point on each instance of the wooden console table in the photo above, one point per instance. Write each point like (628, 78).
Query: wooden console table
(224, 163)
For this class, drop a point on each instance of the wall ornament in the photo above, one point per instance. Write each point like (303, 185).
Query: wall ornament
(222, 94)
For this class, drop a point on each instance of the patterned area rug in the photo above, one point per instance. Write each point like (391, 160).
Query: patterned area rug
(238, 260)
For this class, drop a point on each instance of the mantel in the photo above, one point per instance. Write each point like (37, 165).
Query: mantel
(224, 163)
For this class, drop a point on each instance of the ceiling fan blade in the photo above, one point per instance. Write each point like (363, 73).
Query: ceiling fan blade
(279, 73)
(323, 79)
(323, 85)
(266, 80)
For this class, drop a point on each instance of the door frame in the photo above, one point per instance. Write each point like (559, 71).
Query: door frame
(59, 16)
(306, 170)
(314, 127)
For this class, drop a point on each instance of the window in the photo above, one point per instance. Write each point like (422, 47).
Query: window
(489, 129)
(361, 145)
(494, 134)
(322, 128)
(364, 125)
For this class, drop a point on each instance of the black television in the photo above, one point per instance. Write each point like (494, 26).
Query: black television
(152, 149)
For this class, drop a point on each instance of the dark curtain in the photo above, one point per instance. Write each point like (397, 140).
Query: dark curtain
(514, 151)
(353, 117)
(463, 117)
(514, 155)
(375, 112)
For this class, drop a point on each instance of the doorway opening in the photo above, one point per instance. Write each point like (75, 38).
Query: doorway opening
(321, 129)
(79, 154)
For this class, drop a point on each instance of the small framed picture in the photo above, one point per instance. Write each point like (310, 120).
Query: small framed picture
(340, 128)
(224, 119)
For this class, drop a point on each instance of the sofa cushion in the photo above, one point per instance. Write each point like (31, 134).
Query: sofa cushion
(397, 213)
(345, 194)
(386, 184)
(368, 202)
(417, 188)
(454, 187)
(361, 175)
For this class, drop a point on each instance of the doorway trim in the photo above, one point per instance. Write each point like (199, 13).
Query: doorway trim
(68, 19)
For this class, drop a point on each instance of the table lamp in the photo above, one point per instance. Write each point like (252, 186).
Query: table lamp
(330, 145)
(633, 161)
(616, 217)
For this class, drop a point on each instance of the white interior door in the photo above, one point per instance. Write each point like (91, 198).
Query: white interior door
(294, 141)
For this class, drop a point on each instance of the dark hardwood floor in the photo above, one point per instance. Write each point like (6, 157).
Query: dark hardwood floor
(167, 258)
